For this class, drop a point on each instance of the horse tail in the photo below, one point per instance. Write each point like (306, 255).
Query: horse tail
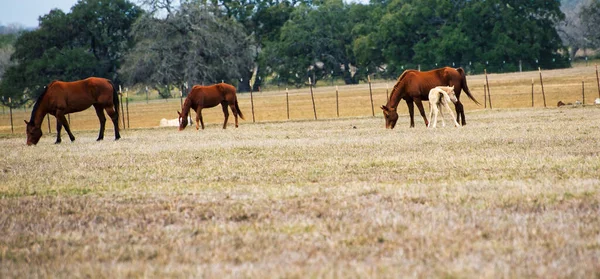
(237, 107)
(115, 99)
(463, 79)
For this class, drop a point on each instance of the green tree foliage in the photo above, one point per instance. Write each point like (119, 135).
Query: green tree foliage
(314, 42)
(89, 41)
(191, 44)
(493, 34)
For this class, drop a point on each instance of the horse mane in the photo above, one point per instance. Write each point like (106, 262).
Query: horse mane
(187, 104)
(398, 83)
(36, 105)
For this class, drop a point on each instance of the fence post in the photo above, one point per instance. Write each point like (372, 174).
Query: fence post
(542, 83)
(387, 94)
(532, 92)
(583, 92)
(488, 88)
(337, 102)
(312, 97)
(252, 104)
(287, 102)
(122, 110)
(484, 95)
(181, 96)
(12, 129)
(49, 129)
(598, 80)
(371, 95)
(127, 107)
(146, 94)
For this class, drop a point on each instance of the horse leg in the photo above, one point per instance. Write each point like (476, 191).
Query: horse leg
(199, 119)
(451, 114)
(411, 112)
(58, 130)
(436, 110)
(62, 121)
(441, 111)
(421, 110)
(114, 116)
(102, 118)
(225, 113)
(460, 112)
(235, 113)
(430, 113)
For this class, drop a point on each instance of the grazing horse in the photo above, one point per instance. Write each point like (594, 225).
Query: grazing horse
(438, 97)
(414, 86)
(61, 98)
(207, 97)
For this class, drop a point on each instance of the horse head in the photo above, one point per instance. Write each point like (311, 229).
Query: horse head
(33, 133)
(391, 117)
(183, 121)
(452, 94)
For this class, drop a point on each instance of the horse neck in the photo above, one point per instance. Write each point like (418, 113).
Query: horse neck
(38, 113)
(185, 110)
(395, 96)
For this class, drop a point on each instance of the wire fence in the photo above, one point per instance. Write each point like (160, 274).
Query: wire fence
(579, 86)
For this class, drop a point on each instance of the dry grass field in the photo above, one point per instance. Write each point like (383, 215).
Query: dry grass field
(515, 193)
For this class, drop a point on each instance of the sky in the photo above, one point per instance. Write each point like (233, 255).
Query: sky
(27, 12)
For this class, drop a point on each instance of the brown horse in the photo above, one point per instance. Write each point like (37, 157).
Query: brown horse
(414, 86)
(61, 98)
(207, 97)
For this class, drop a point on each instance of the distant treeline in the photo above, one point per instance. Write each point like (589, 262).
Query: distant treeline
(253, 42)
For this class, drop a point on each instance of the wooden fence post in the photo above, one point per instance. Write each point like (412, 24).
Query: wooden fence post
(287, 102)
(252, 104)
(484, 95)
(337, 103)
(122, 110)
(371, 95)
(312, 97)
(12, 129)
(598, 80)
(542, 83)
(532, 92)
(487, 84)
(49, 129)
(387, 94)
(127, 107)
(583, 92)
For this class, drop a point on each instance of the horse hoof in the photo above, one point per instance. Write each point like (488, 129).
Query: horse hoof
(99, 139)
(57, 142)
(117, 137)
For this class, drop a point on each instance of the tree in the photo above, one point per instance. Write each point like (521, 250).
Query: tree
(493, 34)
(191, 44)
(312, 43)
(89, 41)
(590, 20)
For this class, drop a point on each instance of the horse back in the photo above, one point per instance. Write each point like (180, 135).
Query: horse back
(212, 95)
(79, 95)
(422, 82)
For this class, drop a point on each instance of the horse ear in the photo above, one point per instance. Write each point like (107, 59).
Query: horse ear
(26, 123)
(384, 108)
(179, 113)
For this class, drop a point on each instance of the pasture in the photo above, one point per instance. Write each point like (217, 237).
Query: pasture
(515, 193)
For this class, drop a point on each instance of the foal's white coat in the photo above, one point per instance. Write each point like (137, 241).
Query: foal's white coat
(438, 97)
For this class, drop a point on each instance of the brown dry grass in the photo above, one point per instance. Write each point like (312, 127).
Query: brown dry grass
(515, 193)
